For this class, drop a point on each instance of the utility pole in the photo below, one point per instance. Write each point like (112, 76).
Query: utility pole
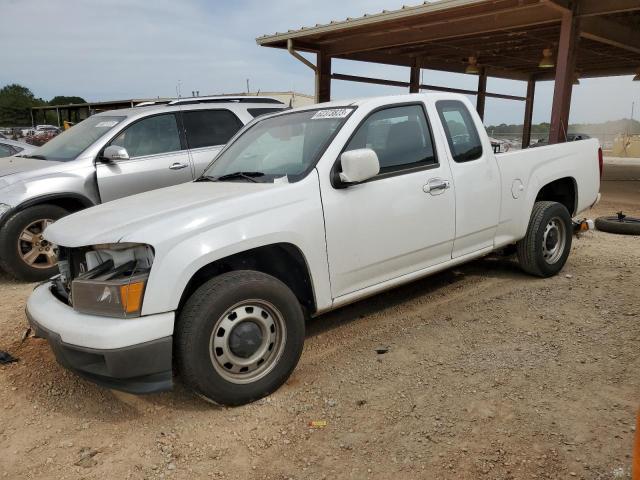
(248, 90)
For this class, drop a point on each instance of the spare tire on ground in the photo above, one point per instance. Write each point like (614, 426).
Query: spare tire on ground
(619, 223)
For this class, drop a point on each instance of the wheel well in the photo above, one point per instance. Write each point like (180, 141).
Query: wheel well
(69, 203)
(562, 191)
(281, 260)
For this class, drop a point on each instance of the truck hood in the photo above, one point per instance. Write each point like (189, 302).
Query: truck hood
(11, 165)
(153, 216)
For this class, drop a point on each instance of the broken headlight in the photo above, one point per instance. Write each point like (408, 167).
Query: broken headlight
(114, 280)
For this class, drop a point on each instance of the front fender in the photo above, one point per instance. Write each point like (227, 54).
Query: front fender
(299, 223)
(77, 184)
(170, 275)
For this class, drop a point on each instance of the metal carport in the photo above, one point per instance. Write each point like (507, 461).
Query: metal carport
(497, 38)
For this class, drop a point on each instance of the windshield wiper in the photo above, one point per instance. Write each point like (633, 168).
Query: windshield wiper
(246, 175)
(37, 157)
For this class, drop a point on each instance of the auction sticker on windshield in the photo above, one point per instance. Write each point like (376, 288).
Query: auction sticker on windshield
(332, 113)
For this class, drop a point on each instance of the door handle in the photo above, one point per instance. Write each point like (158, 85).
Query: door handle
(178, 166)
(436, 186)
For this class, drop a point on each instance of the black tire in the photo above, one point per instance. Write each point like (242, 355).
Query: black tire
(216, 301)
(627, 226)
(11, 260)
(532, 248)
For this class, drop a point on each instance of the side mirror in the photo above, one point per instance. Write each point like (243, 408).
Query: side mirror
(113, 153)
(359, 165)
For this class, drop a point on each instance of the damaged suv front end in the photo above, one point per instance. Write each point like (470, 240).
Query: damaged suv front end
(91, 314)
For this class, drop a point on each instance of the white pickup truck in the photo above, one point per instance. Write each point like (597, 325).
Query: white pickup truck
(303, 212)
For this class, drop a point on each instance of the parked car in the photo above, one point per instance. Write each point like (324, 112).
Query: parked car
(108, 156)
(9, 148)
(303, 212)
(47, 128)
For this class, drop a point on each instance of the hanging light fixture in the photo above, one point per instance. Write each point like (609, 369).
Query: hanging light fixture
(637, 77)
(547, 59)
(472, 67)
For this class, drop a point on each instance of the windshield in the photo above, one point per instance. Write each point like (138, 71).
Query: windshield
(283, 147)
(71, 143)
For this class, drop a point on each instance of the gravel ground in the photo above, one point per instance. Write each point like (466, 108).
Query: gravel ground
(489, 374)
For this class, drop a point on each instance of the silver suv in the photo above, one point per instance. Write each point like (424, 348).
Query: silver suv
(107, 156)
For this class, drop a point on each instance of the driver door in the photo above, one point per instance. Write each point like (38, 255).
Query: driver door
(157, 158)
(402, 220)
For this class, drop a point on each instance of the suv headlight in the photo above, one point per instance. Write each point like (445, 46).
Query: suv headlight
(114, 282)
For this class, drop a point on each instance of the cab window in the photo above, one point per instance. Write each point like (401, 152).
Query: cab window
(400, 136)
(460, 130)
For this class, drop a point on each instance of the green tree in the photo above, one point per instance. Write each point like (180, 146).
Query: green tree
(63, 100)
(15, 103)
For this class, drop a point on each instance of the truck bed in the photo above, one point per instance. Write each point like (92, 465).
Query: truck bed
(577, 161)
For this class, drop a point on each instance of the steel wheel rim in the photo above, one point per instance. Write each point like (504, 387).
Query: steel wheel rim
(33, 249)
(554, 240)
(243, 370)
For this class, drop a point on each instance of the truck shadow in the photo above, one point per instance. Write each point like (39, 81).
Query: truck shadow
(489, 267)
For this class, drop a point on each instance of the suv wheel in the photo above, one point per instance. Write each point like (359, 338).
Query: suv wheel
(24, 253)
(239, 337)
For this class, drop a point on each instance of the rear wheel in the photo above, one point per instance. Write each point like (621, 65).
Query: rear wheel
(545, 248)
(239, 337)
(24, 253)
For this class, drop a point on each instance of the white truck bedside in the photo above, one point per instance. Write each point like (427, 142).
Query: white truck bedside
(302, 212)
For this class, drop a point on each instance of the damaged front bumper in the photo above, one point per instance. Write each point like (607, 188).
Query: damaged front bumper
(132, 355)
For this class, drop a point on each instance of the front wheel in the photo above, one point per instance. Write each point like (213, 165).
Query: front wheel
(239, 337)
(24, 253)
(545, 248)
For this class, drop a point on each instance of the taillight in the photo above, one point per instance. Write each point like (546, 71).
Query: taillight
(600, 162)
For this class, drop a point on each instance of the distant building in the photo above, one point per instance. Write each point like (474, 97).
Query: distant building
(78, 112)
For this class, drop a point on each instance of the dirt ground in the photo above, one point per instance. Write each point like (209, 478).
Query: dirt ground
(489, 374)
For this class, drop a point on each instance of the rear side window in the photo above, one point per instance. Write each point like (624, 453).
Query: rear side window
(256, 112)
(400, 136)
(463, 138)
(205, 128)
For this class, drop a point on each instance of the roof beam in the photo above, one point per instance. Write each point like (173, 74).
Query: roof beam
(435, 88)
(506, 19)
(587, 8)
(610, 32)
(445, 65)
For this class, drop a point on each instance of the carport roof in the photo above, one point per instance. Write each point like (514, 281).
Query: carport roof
(507, 36)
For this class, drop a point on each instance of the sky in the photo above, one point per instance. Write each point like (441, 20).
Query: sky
(121, 49)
